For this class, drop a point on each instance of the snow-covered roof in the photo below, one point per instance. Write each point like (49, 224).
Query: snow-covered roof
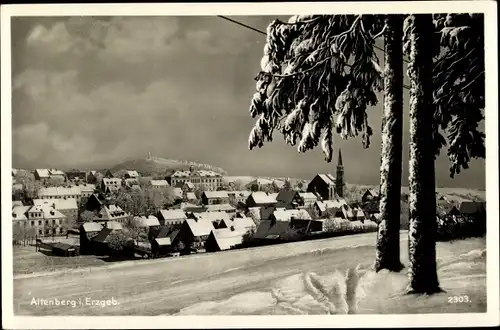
(92, 227)
(282, 214)
(59, 191)
(226, 238)
(173, 214)
(132, 173)
(159, 183)
(220, 208)
(328, 179)
(216, 194)
(149, 221)
(243, 223)
(112, 181)
(163, 241)
(261, 197)
(200, 227)
(19, 212)
(308, 195)
(58, 204)
(42, 172)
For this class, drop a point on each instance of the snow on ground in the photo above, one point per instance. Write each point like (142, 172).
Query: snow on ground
(361, 291)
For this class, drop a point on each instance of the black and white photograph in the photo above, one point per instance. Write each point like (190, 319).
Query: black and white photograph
(335, 160)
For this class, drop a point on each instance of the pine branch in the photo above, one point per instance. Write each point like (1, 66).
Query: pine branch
(304, 71)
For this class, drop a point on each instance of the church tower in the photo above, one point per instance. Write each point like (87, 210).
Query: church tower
(339, 180)
(149, 155)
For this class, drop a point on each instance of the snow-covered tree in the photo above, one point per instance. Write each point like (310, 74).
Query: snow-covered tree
(459, 87)
(387, 252)
(319, 74)
(422, 198)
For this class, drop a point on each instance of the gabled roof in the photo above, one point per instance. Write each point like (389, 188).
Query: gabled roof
(110, 212)
(59, 191)
(91, 227)
(226, 238)
(56, 172)
(88, 187)
(17, 203)
(178, 192)
(216, 194)
(111, 181)
(114, 225)
(328, 179)
(260, 182)
(42, 172)
(200, 227)
(132, 174)
(240, 193)
(286, 196)
(149, 221)
(261, 197)
(173, 214)
(287, 215)
(330, 204)
(243, 223)
(163, 241)
(308, 195)
(470, 207)
(103, 235)
(48, 211)
(19, 212)
(159, 183)
(271, 229)
(212, 216)
(191, 196)
(220, 208)
(58, 204)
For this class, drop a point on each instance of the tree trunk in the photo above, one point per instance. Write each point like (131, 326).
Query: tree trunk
(387, 255)
(422, 197)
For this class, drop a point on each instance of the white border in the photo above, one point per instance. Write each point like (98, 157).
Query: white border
(490, 318)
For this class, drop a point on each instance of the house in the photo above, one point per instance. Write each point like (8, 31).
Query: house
(370, 194)
(272, 230)
(281, 214)
(76, 176)
(20, 216)
(223, 239)
(163, 240)
(244, 223)
(227, 208)
(171, 217)
(472, 208)
(42, 174)
(46, 220)
(260, 199)
(17, 187)
(68, 207)
(108, 174)
(194, 233)
(95, 202)
(131, 175)
(158, 184)
(109, 185)
(88, 231)
(289, 199)
(447, 212)
(358, 213)
(60, 193)
(87, 189)
(218, 219)
(130, 182)
(307, 199)
(111, 212)
(100, 242)
(93, 177)
(189, 196)
(147, 222)
(214, 197)
(178, 193)
(201, 179)
(372, 206)
(238, 197)
(324, 185)
(261, 213)
(323, 208)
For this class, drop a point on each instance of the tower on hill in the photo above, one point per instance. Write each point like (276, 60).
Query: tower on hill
(339, 180)
(149, 155)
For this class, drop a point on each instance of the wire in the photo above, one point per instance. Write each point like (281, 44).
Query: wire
(264, 33)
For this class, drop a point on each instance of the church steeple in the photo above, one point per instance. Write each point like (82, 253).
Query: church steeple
(339, 180)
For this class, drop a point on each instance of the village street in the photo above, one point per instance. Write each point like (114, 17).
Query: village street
(159, 287)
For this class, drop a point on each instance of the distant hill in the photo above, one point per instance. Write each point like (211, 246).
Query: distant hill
(157, 166)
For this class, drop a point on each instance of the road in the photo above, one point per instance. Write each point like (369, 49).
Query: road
(165, 286)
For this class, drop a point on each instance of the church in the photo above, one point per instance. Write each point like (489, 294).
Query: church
(327, 186)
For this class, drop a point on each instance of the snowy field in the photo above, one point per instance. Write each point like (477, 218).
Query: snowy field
(296, 278)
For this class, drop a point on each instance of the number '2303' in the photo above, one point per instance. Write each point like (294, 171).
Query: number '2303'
(458, 299)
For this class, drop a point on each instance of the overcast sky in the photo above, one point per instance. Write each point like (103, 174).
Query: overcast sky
(97, 91)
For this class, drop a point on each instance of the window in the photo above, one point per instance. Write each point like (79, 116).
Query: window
(46, 222)
(32, 223)
(39, 232)
(39, 222)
